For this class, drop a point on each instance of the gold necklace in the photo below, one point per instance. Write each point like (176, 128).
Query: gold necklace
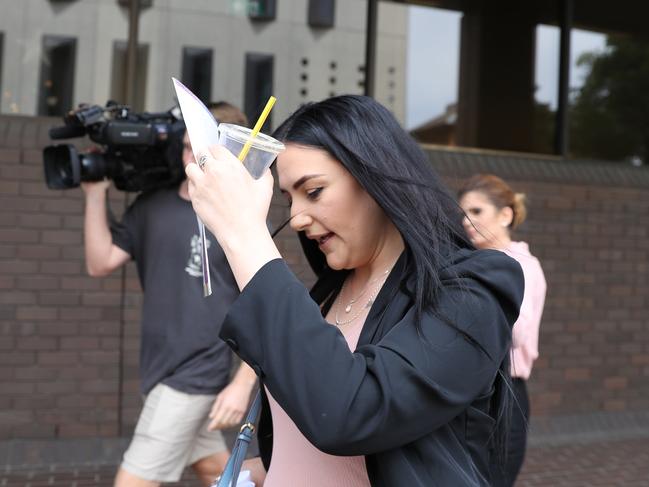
(352, 301)
(368, 304)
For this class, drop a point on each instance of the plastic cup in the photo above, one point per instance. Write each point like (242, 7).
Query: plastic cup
(263, 151)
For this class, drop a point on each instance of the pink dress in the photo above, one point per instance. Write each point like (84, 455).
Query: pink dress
(296, 462)
(525, 334)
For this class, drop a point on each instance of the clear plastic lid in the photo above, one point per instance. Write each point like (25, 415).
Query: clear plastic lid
(242, 134)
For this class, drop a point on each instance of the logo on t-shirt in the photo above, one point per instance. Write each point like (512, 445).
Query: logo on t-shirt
(195, 263)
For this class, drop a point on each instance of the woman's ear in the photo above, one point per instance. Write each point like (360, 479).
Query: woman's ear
(506, 216)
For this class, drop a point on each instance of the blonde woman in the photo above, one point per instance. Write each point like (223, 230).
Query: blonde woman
(493, 210)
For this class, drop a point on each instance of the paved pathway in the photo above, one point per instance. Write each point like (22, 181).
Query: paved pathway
(622, 462)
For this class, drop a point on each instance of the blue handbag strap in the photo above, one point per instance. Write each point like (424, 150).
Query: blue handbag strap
(233, 467)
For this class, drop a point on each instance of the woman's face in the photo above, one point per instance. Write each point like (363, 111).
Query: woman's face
(330, 207)
(488, 226)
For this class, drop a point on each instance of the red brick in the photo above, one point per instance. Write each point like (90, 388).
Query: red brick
(58, 358)
(34, 373)
(21, 172)
(37, 282)
(57, 328)
(36, 343)
(75, 401)
(38, 252)
(57, 387)
(616, 383)
(39, 189)
(9, 155)
(640, 359)
(80, 283)
(32, 157)
(74, 252)
(18, 267)
(32, 313)
(73, 222)
(99, 357)
(577, 374)
(17, 297)
(79, 343)
(16, 387)
(61, 268)
(18, 235)
(77, 430)
(81, 314)
(9, 187)
(614, 405)
(34, 431)
(99, 386)
(63, 298)
(62, 237)
(77, 373)
(109, 343)
(101, 299)
(63, 207)
(35, 220)
(22, 205)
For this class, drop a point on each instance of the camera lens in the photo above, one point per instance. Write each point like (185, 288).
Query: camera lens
(62, 167)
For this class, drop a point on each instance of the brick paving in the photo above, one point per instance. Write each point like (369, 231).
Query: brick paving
(622, 462)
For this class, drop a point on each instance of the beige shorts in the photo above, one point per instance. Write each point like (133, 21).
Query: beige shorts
(171, 433)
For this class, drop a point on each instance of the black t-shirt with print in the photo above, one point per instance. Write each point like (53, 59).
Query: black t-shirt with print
(180, 344)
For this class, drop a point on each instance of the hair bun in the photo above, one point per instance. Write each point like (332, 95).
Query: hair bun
(519, 208)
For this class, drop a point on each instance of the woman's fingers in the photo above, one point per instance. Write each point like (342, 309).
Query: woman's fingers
(193, 171)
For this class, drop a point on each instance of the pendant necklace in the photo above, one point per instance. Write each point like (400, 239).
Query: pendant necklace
(352, 301)
(368, 304)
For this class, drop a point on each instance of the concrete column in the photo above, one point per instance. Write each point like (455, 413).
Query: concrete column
(496, 92)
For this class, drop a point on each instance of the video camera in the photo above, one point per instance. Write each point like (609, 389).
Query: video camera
(141, 151)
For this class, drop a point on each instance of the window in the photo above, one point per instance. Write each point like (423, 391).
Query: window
(321, 13)
(197, 71)
(259, 84)
(118, 81)
(56, 84)
(127, 3)
(1, 51)
(262, 9)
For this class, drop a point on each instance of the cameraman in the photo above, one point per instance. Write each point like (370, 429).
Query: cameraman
(184, 366)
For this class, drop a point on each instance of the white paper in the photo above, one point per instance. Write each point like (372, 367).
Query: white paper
(202, 129)
(203, 132)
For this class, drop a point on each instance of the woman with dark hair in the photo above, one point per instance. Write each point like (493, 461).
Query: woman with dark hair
(493, 211)
(391, 371)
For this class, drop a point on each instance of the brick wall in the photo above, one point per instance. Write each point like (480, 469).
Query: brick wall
(69, 343)
(588, 224)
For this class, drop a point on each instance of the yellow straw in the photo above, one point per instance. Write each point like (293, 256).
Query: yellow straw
(257, 128)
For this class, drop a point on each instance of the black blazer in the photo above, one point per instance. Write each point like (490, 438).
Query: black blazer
(414, 397)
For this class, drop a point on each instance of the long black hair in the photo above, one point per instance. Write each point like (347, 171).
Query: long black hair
(386, 161)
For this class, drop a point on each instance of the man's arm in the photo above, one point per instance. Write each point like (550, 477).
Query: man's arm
(232, 402)
(102, 255)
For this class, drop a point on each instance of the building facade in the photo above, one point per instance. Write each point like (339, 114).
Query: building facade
(56, 54)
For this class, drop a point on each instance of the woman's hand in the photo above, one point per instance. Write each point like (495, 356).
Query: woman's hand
(230, 406)
(234, 207)
(230, 202)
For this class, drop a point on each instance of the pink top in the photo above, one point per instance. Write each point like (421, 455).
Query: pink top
(297, 462)
(525, 339)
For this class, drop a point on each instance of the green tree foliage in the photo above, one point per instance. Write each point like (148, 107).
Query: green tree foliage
(610, 113)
